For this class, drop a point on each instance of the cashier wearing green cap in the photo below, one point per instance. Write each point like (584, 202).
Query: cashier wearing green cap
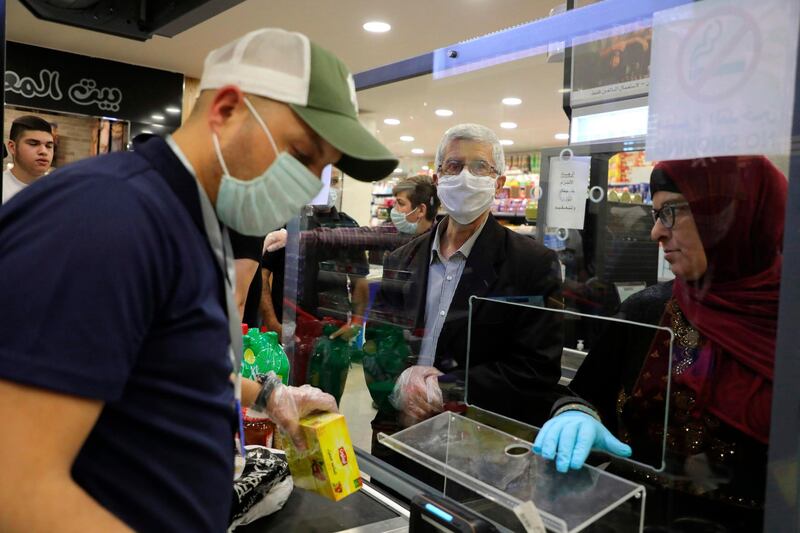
(116, 361)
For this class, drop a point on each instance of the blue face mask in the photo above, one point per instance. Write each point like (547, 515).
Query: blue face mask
(401, 222)
(267, 202)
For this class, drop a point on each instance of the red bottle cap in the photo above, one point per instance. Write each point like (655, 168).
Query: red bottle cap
(244, 329)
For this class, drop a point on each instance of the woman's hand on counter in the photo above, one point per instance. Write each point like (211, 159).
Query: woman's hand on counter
(570, 436)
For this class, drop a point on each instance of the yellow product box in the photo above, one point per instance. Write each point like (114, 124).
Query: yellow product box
(328, 466)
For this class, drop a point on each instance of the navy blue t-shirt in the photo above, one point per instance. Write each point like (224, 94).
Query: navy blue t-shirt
(110, 291)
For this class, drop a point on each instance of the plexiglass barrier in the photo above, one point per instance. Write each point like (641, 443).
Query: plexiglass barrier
(620, 369)
(487, 468)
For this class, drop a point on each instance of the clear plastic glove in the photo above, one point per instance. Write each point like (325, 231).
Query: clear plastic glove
(287, 405)
(275, 241)
(346, 332)
(569, 437)
(417, 394)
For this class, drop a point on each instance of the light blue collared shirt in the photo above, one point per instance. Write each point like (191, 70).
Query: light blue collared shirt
(443, 278)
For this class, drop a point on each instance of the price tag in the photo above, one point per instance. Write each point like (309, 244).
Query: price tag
(529, 517)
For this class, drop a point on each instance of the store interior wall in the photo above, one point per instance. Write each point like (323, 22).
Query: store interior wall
(77, 135)
(191, 90)
(357, 195)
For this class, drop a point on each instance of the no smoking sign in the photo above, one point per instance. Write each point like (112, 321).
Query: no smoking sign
(719, 55)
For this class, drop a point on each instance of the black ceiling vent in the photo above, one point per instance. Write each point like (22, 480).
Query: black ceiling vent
(134, 19)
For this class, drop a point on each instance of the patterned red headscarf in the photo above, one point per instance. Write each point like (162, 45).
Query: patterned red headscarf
(738, 205)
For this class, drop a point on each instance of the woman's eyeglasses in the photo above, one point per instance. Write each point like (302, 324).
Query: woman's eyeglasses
(667, 214)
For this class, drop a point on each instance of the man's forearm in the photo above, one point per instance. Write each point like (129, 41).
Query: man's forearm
(360, 300)
(250, 390)
(52, 502)
(270, 318)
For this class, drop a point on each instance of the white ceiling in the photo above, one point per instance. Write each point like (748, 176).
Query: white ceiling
(418, 26)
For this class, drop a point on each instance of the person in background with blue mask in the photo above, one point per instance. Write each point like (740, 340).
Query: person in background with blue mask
(415, 205)
(130, 343)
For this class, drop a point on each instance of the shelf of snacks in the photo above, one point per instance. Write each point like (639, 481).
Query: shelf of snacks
(629, 178)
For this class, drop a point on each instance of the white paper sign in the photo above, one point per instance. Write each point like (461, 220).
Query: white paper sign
(567, 191)
(722, 79)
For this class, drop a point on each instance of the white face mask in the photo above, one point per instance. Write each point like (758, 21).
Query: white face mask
(465, 197)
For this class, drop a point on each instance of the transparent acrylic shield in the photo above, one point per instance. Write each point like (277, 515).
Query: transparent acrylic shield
(621, 368)
(509, 483)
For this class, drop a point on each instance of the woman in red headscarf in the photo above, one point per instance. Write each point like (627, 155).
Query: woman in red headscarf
(720, 223)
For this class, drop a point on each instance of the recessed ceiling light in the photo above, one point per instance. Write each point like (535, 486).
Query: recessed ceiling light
(160, 126)
(407, 138)
(376, 26)
(417, 151)
(561, 136)
(508, 125)
(391, 121)
(511, 100)
(562, 91)
(147, 132)
(444, 112)
(156, 116)
(425, 167)
(398, 170)
(173, 110)
(506, 142)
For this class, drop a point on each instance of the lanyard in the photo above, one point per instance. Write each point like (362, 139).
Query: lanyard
(223, 252)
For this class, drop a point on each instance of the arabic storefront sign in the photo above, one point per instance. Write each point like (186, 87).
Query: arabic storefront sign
(722, 79)
(59, 81)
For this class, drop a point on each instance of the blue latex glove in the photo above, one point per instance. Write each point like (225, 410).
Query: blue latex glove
(570, 436)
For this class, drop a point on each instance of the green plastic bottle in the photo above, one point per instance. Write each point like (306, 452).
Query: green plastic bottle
(280, 361)
(263, 352)
(249, 356)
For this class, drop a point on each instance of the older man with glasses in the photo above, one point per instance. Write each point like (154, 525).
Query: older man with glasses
(515, 352)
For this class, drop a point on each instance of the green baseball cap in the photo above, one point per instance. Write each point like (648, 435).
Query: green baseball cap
(288, 67)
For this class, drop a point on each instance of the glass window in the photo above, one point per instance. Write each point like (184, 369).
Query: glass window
(602, 255)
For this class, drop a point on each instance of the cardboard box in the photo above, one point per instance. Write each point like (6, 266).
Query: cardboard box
(328, 466)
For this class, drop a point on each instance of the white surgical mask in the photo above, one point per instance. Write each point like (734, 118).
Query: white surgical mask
(402, 223)
(333, 198)
(266, 202)
(465, 197)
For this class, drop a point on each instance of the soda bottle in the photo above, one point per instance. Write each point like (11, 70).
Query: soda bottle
(263, 353)
(280, 360)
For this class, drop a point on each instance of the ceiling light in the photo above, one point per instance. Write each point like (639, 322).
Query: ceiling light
(511, 100)
(174, 110)
(444, 112)
(508, 125)
(506, 142)
(375, 26)
(148, 132)
(417, 151)
(398, 170)
(156, 116)
(391, 121)
(561, 136)
(407, 138)
(562, 91)
(425, 167)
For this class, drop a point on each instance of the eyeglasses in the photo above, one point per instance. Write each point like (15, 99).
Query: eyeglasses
(667, 214)
(477, 167)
